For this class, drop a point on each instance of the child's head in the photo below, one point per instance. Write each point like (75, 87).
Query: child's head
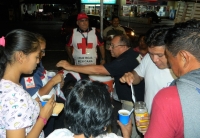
(18, 48)
(42, 41)
(143, 49)
(88, 108)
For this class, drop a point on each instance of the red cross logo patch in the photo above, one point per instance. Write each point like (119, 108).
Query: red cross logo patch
(29, 82)
(83, 46)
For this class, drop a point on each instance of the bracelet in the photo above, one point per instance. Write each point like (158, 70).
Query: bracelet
(43, 119)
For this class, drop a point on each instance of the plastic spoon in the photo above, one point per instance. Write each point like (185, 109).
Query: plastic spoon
(131, 111)
(133, 93)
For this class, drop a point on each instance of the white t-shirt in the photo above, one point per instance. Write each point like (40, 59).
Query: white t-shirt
(65, 133)
(155, 78)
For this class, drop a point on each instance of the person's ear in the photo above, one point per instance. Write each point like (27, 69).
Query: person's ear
(77, 23)
(19, 56)
(185, 58)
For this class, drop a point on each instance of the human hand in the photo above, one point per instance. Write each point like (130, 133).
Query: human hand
(127, 78)
(126, 129)
(103, 62)
(57, 78)
(143, 124)
(64, 64)
(47, 110)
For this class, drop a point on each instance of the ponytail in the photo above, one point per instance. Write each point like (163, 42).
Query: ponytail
(3, 61)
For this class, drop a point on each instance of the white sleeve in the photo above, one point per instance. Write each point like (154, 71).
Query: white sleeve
(61, 133)
(141, 68)
(36, 95)
(109, 135)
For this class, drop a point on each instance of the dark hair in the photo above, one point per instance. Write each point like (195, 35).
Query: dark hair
(141, 36)
(184, 36)
(113, 17)
(88, 108)
(193, 23)
(16, 40)
(124, 40)
(40, 38)
(156, 36)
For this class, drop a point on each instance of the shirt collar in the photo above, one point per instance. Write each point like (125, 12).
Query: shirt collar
(81, 31)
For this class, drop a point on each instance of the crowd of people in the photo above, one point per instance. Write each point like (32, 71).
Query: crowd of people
(163, 69)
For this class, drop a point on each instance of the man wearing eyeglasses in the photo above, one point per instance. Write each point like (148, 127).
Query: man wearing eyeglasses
(126, 60)
(82, 44)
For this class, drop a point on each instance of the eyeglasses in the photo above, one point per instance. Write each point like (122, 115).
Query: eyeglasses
(42, 51)
(112, 46)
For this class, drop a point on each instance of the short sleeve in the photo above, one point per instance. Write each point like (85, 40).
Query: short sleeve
(18, 113)
(109, 135)
(141, 68)
(120, 66)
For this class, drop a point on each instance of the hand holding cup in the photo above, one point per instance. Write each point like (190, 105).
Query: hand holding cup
(140, 116)
(47, 107)
(124, 116)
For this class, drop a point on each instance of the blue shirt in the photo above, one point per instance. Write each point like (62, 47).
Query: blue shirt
(32, 83)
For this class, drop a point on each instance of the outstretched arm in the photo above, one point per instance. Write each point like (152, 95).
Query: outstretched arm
(86, 69)
(131, 78)
(50, 84)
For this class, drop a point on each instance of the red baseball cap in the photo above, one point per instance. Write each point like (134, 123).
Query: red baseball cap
(82, 16)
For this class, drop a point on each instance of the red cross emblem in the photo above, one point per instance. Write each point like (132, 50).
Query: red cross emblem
(29, 80)
(83, 46)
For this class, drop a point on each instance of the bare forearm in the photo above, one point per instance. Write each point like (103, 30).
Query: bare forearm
(102, 51)
(36, 130)
(47, 88)
(89, 69)
(137, 78)
(69, 52)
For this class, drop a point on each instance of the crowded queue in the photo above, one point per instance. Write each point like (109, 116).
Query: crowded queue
(168, 74)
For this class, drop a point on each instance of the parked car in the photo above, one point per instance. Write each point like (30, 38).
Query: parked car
(94, 21)
(64, 16)
(151, 14)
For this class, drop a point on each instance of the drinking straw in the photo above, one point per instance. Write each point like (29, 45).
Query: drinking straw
(131, 111)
